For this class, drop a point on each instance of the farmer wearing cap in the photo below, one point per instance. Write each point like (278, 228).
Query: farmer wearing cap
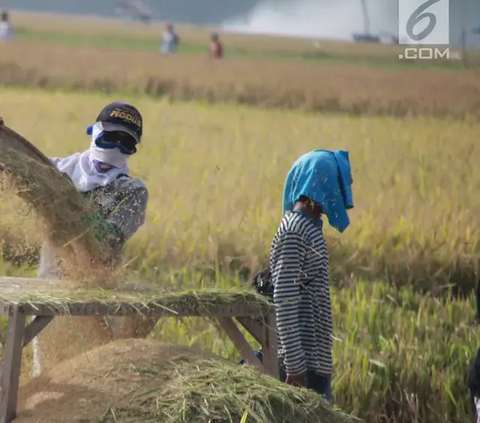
(101, 173)
(318, 184)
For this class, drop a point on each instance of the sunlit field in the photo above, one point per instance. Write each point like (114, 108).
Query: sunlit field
(215, 176)
(273, 72)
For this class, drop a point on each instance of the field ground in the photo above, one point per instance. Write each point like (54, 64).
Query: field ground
(215, 174)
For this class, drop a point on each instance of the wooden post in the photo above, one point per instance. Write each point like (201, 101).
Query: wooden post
(270, 346)
(253, 326)
(231, 329)
(10, 379)
(35, 327)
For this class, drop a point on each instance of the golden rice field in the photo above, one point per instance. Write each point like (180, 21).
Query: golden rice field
(215, 173)
(266, 71)
(331, 87)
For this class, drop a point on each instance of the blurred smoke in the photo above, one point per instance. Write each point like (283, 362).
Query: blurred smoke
(336, 19)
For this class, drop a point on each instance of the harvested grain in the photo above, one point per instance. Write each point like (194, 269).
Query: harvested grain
(148, 381)
(58, 205)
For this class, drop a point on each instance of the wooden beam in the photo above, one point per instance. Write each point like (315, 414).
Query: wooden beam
(96, 308)
(10, 378)
(231, 329)
(253, 326)
(270, 346)
(35, 327)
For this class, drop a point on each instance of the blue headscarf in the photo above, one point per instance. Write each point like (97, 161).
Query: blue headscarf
(324, 176)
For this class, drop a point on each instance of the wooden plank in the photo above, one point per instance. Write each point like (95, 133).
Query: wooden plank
(253, 326)
(231, 329)
(10, 379)
(131, 309)
(270, 346)
(35, 327)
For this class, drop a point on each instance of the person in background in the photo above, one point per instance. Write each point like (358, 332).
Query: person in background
(101, 174)
(6, 29)
(216, 47)
(318, 184)
(170, 40)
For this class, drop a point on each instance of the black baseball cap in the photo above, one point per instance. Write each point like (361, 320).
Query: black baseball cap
(124, 117)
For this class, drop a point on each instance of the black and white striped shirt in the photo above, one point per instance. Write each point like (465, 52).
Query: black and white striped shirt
(299, 266)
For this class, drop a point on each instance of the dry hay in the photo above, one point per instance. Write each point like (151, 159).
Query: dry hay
(56, 300)
(148, 381)
(64, 216)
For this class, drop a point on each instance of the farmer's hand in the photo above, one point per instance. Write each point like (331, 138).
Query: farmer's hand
(297, 380)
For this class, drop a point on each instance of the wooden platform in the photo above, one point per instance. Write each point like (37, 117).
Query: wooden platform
(46, 300)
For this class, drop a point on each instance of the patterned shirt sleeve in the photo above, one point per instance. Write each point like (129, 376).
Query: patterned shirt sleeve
(129, 214)
(290, 252)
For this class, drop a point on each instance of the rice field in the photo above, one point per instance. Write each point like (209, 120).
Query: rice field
(215, 169)
(334, 87)
(278, 72)
(215, 176)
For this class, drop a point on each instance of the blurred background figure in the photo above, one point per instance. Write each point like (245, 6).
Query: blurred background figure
(170, 40)
(6, 28)
(216, 47)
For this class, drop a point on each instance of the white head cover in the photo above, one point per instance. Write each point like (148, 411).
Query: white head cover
(80, 168)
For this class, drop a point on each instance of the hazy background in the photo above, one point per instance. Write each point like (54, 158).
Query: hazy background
(315, 18)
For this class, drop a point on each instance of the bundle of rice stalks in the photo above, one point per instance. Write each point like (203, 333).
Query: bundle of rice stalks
(147, 381)
(64, 217)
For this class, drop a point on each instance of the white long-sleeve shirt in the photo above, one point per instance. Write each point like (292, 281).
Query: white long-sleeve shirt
(299, 266)
(6, 31)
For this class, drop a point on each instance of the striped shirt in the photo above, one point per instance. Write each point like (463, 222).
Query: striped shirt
(299, 267)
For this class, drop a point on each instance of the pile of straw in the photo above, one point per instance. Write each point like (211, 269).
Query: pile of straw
(147, 381)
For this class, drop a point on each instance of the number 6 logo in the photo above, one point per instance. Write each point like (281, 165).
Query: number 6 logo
(417, 16)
